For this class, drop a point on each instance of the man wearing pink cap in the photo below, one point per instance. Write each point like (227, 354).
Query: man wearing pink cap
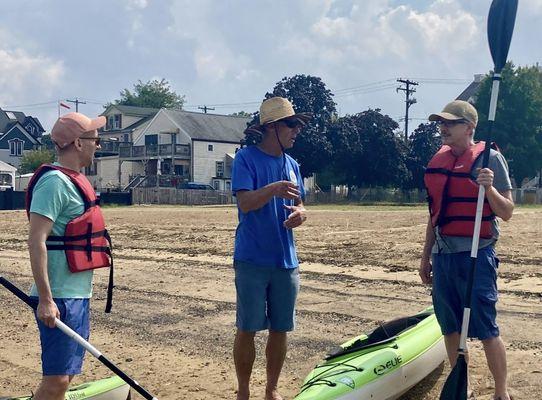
(53, 202)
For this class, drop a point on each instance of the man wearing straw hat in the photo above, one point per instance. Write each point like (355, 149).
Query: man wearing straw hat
(452, 178)
(269, 191)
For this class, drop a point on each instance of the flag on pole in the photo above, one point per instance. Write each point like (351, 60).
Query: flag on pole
(62, 104)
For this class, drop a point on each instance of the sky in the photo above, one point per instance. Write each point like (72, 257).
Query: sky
(227, 54)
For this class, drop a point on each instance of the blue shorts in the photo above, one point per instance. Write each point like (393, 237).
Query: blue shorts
(266, 297)
(450, 276)
(60, 354)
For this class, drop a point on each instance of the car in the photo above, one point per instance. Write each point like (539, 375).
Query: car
(196, 186)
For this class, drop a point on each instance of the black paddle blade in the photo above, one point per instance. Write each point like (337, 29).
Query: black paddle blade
(455, 387)
(500, 26)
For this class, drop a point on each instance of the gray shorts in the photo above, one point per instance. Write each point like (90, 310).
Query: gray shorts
(266, 297)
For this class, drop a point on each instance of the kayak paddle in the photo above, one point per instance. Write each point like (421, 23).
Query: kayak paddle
(91, 349)
(500, 25)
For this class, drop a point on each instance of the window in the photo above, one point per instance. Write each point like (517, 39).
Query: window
(16, 147)
(216, 184)
(126, 138)
(114, 121)
(210, 147)
(117, 122)
(219, 169)
(228, 185)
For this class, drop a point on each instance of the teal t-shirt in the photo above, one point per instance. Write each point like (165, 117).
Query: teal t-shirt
(56, 197)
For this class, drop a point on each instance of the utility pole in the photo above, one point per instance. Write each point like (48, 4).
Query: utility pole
(205, 108)
(408, 100)
(77, 102)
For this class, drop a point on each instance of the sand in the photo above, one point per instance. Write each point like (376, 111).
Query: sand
(172, 324)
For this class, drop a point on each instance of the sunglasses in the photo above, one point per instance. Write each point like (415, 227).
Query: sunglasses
(450, 124)
(292, 123)
(96, 139)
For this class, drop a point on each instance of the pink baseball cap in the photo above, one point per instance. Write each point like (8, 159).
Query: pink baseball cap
(71, 126)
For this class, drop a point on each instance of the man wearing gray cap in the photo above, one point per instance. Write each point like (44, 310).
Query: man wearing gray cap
(452, 179)
(53, 202)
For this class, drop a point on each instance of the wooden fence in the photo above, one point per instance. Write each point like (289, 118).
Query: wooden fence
(155, 195)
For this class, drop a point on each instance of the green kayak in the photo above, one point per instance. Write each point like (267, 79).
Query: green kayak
(113, 388)
(380, 366)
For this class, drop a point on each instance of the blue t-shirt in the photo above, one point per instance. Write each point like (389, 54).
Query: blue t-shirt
(56, 197)
(260, 237)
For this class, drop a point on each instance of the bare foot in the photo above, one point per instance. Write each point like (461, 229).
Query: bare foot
(272, 394)
(243, 395)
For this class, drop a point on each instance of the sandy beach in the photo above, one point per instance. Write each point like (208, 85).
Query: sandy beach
(173, 317)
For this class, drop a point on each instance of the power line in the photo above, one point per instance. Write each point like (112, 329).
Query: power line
(77, 102)
(408, 100)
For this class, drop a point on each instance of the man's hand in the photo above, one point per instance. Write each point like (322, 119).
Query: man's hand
(425, 271)
(47, 312)
(485, 177)
(286, 190)
(297, 216)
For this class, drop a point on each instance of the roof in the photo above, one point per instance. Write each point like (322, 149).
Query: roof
(7, 167)
(212, 127)
(134, 110)
(471, 91)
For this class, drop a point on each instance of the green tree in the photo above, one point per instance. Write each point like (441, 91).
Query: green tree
(423, 143)
(367, 152)
(31, 160)
(309, 94)
(153, 94)
(242, 114)
(518, 124)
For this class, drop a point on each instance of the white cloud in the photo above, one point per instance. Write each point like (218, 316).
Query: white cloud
(25, 77)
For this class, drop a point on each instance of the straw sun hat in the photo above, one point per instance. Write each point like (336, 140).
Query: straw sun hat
(276, 109)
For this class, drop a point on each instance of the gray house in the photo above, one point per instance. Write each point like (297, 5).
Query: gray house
(18, 133)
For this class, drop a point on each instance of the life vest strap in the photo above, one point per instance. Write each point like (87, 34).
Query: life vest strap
(110, 286)
(464, 200)
(77, 237)
(447, 172)
(78, 247)
(446, 220)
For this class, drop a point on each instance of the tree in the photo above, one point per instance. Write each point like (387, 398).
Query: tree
(367, 151)
(242, 114)
(423, 143)
(307, 94)
(518, 124)
(32, 159)
(153, 94)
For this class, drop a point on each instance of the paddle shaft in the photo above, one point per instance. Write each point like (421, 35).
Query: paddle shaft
(478, 218)
(72, 334)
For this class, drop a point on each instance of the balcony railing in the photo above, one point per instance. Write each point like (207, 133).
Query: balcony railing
(154, 150)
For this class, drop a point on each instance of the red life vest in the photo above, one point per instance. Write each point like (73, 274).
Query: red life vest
(453, 193)
(87, 243)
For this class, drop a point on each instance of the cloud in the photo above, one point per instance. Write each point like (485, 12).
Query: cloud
(24, 76)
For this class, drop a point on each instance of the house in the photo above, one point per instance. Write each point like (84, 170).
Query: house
(470, 92)
(170, 148)
(18, 133)
(123, 123)
(7, 176)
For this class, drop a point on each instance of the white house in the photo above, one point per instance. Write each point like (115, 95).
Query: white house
(171, 148)
(7, 175)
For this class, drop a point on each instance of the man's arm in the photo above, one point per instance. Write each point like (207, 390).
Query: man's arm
(501, 203)
(40, 227)
(425, 263)
(250, 200)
